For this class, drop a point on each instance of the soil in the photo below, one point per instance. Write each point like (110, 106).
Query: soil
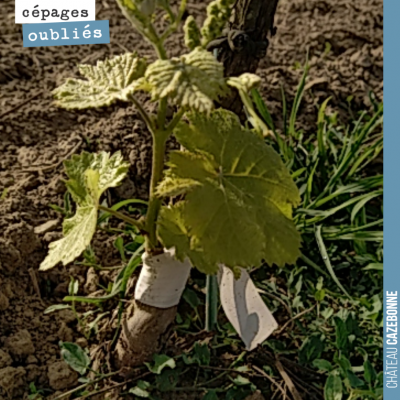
(344, 41)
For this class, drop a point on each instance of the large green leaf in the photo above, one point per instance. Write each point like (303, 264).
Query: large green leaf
(240, 212)
(89, 176)
(193, 81)
(108, 81)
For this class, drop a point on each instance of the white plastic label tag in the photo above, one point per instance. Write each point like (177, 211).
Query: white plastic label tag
(162, 280)
(244, 308)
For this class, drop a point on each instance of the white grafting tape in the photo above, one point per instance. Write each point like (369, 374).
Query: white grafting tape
(244, 308)
(162, 280)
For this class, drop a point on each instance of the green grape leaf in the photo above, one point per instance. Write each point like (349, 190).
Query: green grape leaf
(192, 81)
(192, 33)
(245, 82)
(108, 81)
(241, 211)
(172, 232)
(89, 176)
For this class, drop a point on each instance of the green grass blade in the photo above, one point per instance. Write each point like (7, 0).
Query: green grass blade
(368, 155)
(326, 259)
(263, 109)
(354, 148)
(310, 185)
(360, 205)
(321, 130)
(297, 101)
(312, 264)
(334, 232)
(371, 236)
(361, 186)
(374, 267)
(284, 111)
(321, 215)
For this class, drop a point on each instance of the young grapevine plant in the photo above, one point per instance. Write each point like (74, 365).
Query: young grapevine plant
(225, 197)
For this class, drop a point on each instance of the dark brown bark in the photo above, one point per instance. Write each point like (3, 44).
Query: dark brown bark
(256, 19)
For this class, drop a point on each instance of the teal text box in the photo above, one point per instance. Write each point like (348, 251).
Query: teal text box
(66, 33)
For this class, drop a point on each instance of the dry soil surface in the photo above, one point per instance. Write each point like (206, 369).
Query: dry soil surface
(343, 39)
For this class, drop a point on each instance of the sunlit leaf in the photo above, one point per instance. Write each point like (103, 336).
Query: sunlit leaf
(240, 211)
(108, 81)
(192, 81)
(89, 176)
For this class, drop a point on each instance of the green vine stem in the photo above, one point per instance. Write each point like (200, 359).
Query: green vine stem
(159, 146)
(158, 126)
(123, 217)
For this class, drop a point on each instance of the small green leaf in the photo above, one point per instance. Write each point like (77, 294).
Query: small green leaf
(111, 80)
(210, 395)
(311, 349)
(75, 357)
(369, 373)
(320, 295)
(56, 307)
(374, 266)
(342, 335)
(333, 388)
(344, 364)
(90, 175)
(192, 81)
(141, 389)
(240, 381)
(245, 82)
(161, 361)
(191, 298)
(354, 380)
(201, 355)
(322, 365)
(192, 33)
(327, 312)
